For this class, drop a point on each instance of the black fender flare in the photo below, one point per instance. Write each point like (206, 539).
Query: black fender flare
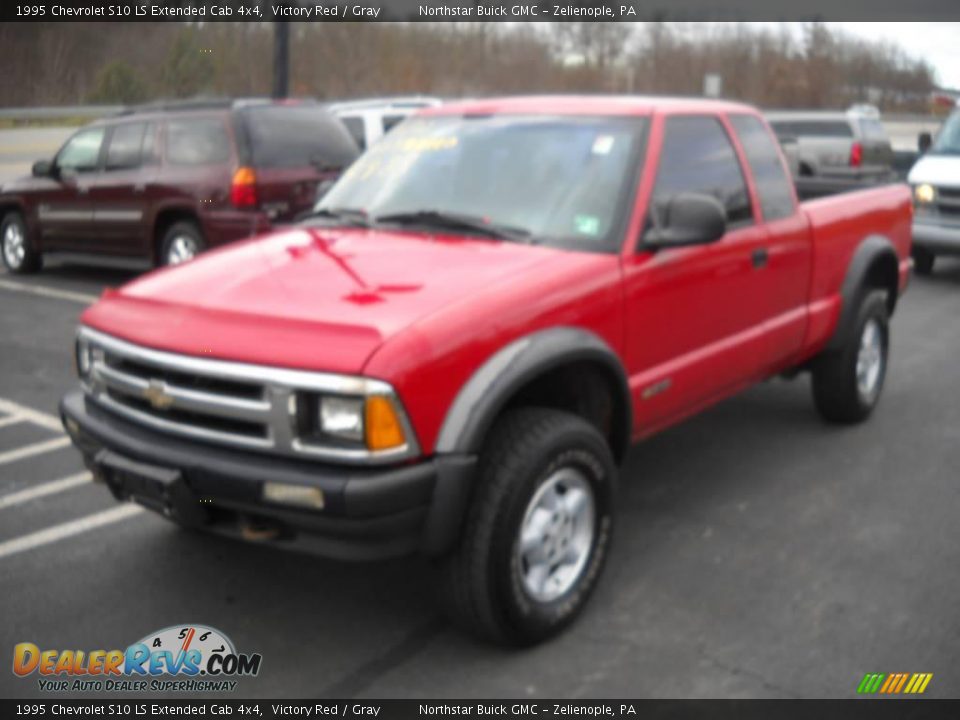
(492, 385)
(873, 249)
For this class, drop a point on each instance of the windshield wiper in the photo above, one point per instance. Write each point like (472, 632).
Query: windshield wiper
(355, 217)
(456, 221)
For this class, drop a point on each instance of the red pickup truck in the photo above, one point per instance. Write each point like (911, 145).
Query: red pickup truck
(454, 354)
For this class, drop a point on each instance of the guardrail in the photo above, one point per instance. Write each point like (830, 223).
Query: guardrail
(60, 111)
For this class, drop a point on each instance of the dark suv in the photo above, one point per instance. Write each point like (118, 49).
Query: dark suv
(161, 183)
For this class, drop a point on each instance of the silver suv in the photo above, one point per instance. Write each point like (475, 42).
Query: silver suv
(851, 145)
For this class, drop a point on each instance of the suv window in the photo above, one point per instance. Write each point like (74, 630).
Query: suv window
(697, 157)
(776, 193)
(124, 146)
(813, 128)
(355, 126)
(81, 153)
(297, 136)
(389, 121)
(197, 141)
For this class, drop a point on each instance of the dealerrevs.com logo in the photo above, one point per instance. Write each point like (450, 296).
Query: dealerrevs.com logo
(187, 658)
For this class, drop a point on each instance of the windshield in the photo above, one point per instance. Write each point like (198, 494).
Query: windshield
(948, 139)
(560, 181)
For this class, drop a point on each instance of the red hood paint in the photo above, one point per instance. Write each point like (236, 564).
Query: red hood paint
(317, 299)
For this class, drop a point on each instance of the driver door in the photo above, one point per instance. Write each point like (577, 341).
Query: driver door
(694, 315)
(65, 216)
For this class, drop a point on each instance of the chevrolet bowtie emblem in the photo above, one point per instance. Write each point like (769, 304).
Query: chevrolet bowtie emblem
(156, 394)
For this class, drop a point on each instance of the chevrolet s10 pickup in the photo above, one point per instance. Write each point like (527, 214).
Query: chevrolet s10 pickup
(454, 353)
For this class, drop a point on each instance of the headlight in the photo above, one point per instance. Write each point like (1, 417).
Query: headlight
(370, 423)
(82, 358)
(341, 418)
(924, 193)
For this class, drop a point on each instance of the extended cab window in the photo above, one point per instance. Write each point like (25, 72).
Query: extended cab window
(697, 157)
(197, 141)
(124, 147)
(773, 185)
(82, 152)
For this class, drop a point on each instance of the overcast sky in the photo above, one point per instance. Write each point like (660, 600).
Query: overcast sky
(937, 43)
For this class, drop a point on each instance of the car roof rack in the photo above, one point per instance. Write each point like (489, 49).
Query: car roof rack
(211, 103)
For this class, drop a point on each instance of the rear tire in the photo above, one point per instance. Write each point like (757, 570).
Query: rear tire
(847, 382)
(19, 256)
(537, 531)
(923, 261)
(182, 241)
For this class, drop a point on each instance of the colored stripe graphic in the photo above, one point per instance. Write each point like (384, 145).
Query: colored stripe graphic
(894, 683)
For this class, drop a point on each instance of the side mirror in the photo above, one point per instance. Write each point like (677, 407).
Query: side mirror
(42, 168)
(687, 219)
(924, 141)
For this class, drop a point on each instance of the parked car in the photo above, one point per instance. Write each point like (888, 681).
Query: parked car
(490, 306)
(160, 183)
(935, 180)
(369, 120)
(851, 145)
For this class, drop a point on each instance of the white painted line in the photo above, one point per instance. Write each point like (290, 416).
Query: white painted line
(50, 422)
(68, 529)
(50, 292)
(34, 449)
(11, 420)
(48, 488)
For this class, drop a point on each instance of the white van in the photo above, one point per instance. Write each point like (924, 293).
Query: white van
(369, 120)
(935, 181)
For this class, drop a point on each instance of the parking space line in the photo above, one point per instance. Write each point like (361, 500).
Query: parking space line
(47, 488)
(68, 529)
(50, 292)
(34, 449)
(50, 422)
(11, 420)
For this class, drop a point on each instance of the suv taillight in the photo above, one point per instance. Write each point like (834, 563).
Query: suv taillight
(243, 190)
(856, 154)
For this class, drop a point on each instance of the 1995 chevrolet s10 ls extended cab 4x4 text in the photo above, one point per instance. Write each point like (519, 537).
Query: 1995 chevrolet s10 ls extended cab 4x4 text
(453, 355)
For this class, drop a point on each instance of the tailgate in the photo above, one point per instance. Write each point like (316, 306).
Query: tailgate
(284, 193)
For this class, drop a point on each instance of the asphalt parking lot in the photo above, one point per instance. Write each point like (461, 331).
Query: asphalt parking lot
(759, 552)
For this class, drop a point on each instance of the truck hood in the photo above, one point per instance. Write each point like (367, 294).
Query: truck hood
(317, 299)
(937, 170)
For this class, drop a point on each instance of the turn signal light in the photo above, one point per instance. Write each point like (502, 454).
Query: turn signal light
(243, 190)
(384, 430)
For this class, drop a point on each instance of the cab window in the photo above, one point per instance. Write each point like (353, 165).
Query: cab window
(697, 157)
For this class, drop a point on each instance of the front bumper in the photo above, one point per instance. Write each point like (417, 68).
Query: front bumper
(368, 513)
(938, 239)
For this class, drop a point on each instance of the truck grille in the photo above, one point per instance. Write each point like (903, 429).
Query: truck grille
(948, 201)
(247, 406)
(161, 392)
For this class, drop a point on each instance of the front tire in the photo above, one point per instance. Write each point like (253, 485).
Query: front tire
(182, 241)
(19, 256)
(847, 382)
(537, 531)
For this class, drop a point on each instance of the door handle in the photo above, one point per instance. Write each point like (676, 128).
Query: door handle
(760, 257)
(139, 187)
(82, 189)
